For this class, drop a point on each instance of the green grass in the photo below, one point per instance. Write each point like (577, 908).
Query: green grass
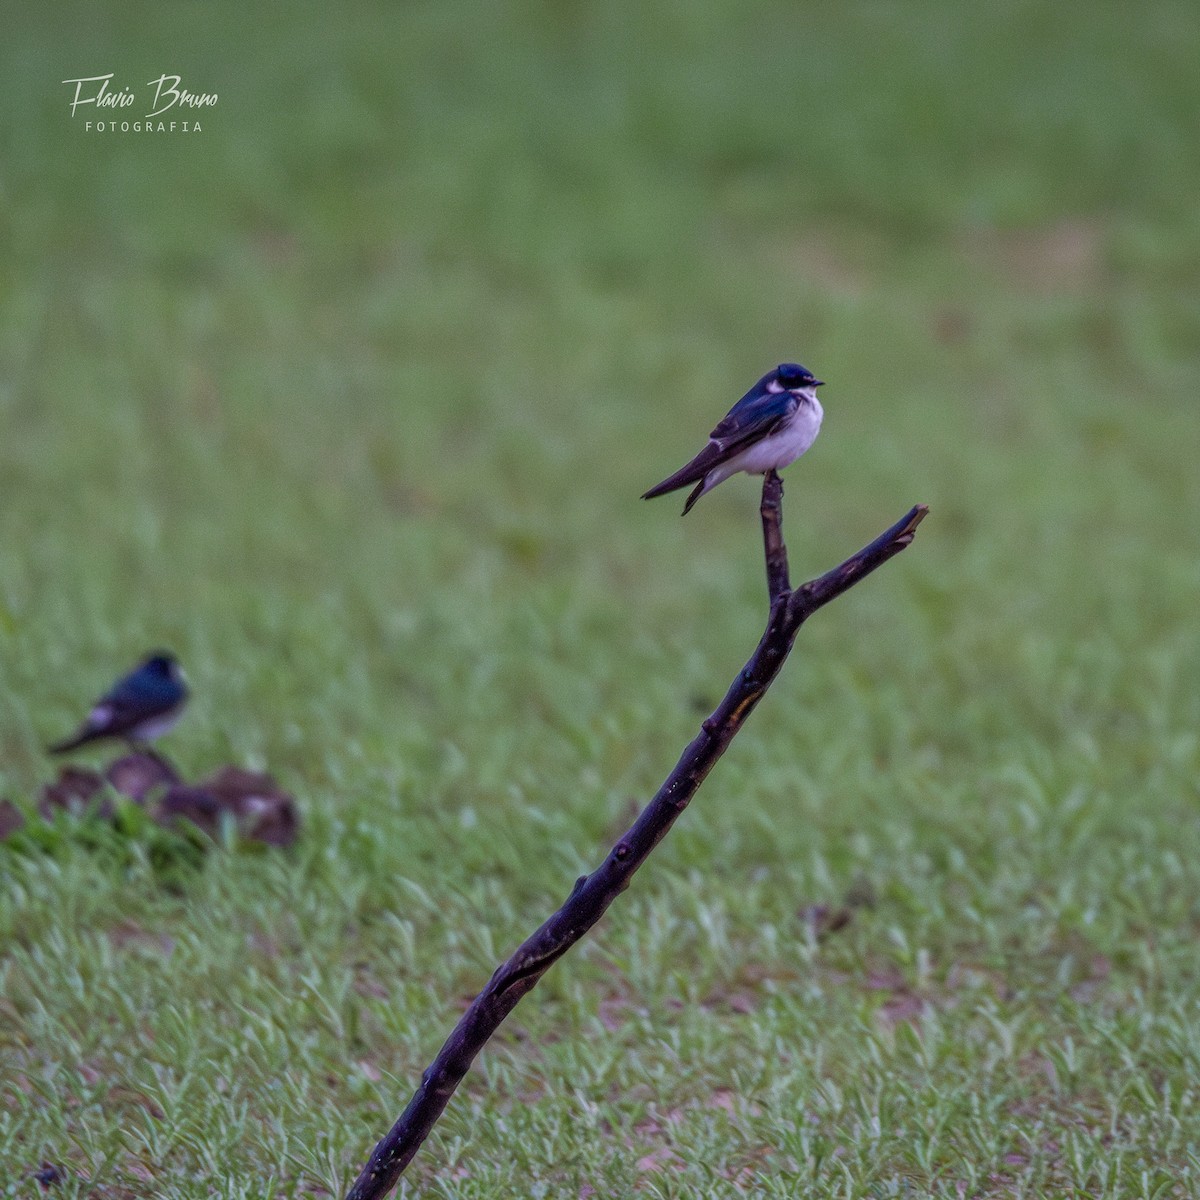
(348, 399)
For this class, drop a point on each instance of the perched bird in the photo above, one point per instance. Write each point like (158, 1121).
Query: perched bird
(769, 427)
(140, 707)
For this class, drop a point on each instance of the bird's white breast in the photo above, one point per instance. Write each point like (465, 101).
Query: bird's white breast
(155, 727)
(786, 444)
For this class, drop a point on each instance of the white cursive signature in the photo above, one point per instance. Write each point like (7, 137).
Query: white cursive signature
(168, 93)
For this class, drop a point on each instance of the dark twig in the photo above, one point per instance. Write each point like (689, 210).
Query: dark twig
(593, 893)
(775, 550)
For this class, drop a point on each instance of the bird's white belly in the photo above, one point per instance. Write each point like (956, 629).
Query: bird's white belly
(782, 447)
(155, 727)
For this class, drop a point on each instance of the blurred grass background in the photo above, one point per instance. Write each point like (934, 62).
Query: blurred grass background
(349, 397)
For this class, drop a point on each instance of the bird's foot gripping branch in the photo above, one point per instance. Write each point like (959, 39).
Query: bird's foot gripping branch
(593, 893)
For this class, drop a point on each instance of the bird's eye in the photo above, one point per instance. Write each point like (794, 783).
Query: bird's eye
(792, 376)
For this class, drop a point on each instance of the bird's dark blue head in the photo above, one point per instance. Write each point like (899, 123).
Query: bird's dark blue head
(793, 377)
(162, 665)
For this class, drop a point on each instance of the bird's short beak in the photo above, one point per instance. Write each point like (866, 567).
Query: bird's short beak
(818, 383)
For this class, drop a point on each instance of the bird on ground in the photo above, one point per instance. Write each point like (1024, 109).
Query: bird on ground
(774, 423)
(140, 707)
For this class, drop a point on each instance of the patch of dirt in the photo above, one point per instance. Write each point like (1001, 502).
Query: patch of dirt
(734, 1000)
(731, 1102)
(1066, 256)
(130, 936)
(824, 258)
(139, 775)
(259, 809)
(664, 1158)
(76, 790)
(11, 819)
(615, 1012)
(824, 920)
(127, 1097)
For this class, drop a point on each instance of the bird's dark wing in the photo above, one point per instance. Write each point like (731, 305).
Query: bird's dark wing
(136, 697)
(753, 417)
(106, 719)
(712, 455)
(139, 696)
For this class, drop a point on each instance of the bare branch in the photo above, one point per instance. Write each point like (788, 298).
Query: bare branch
(808, 597)
(775, 550)
(593, 893)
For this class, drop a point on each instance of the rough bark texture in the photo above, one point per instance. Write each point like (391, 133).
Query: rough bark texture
(592, 894)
